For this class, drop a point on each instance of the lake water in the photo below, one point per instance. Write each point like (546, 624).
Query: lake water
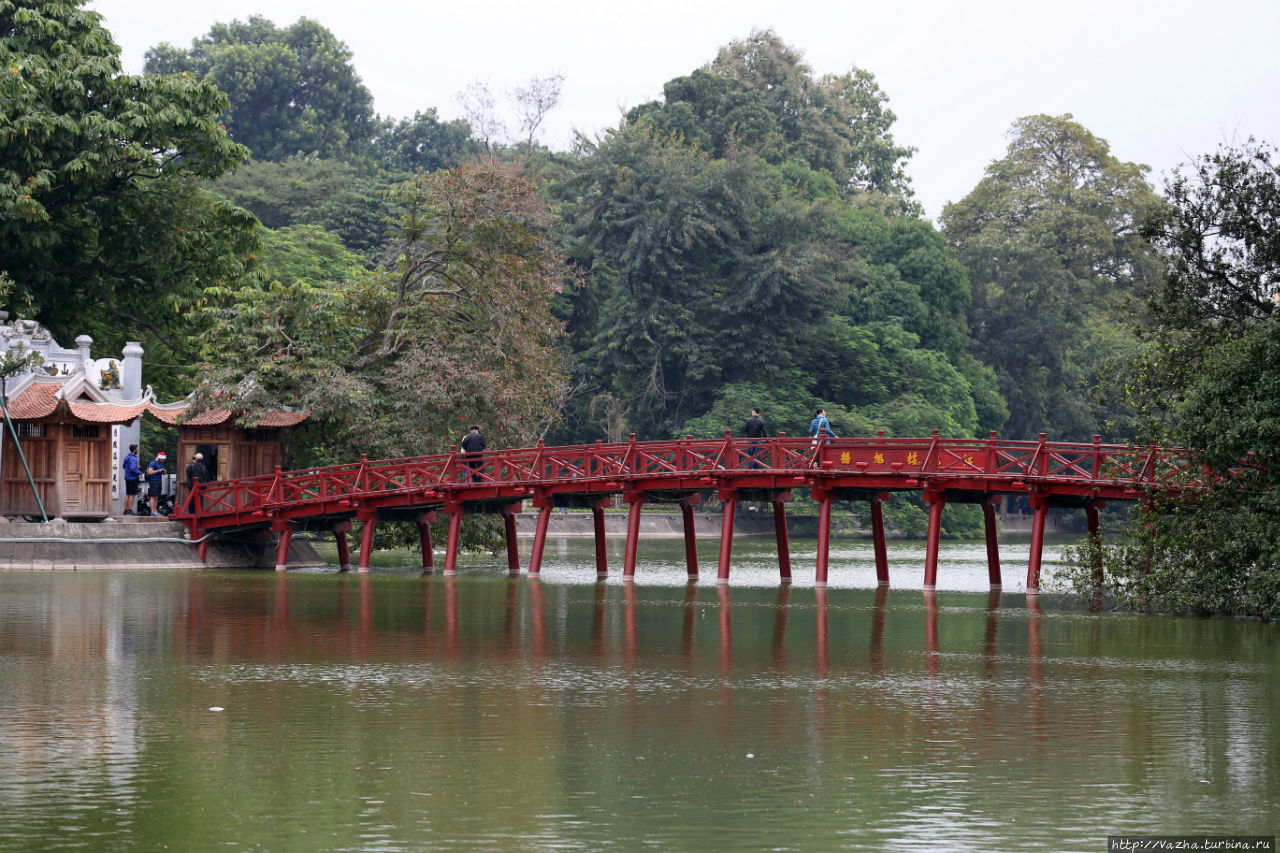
(241, 710)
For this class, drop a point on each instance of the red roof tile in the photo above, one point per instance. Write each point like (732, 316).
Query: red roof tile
(40, 401)
(218, 417)
(105, 413)
(36, 401)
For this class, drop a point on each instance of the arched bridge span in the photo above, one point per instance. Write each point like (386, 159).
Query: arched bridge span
(681, 472)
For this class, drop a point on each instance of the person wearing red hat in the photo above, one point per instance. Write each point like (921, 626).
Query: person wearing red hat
(155, 481)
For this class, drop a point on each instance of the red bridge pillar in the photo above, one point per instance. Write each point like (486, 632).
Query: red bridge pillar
(370, 522)
(1095, 541)
(635, 500)
(690, 537)
(780, 500)
(823, 497)
(597, 529)
(285, 533)
(936, 500)
(454, 510)
(1040, 505)
(993, 546)
(340, 531)
(878, 539)
(730, 498)
(424, 541)
(509, 512)
(544, 505)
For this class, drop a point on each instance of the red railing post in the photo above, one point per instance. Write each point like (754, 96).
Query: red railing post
(931, 462)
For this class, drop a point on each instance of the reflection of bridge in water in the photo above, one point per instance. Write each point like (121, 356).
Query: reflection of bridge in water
(681, 473)
(260, 624)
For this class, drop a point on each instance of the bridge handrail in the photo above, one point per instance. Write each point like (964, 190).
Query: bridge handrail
(933, 457)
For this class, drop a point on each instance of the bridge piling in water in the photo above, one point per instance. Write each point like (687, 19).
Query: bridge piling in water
(878, 538)
(340, 531)
(509, 512)
(635, 501)
(936, 500)
(369, 524)
(729, 498)
(1040, 508)
(779, 502)
(454, 510)
(993, 545)
(285, 533)
(690, 537)
(424, 541)
(597, 526)
(824, 497)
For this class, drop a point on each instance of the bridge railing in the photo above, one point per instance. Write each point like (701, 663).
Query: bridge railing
(649, 462)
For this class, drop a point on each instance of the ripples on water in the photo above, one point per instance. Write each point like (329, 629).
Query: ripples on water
(397, 712)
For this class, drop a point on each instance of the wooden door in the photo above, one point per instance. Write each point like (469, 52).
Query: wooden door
(86, 477)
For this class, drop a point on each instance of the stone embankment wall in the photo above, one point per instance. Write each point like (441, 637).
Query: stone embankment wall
(131, 544)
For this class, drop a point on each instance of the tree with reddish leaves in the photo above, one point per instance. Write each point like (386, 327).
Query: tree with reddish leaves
(454, 328)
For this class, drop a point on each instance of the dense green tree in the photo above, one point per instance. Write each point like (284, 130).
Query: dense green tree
(759, 95)
(713, 274)
(706, 271)
(102, 226)
(1051, 241)
(1208, 378)
(399, 361)
(292, 90)
(278, 192)
(423, 143)
(313, 190)
(307, 253)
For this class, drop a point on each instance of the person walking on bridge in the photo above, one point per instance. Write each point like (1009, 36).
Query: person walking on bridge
(820, 427)
(755, 430)
(472, 446)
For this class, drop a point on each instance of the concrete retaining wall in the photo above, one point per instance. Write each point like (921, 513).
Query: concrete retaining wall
(131, 544)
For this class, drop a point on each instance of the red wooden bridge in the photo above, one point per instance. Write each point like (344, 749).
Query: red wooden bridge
(1049, 474)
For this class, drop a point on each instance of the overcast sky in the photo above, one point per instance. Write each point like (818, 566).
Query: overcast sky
(1161, 80)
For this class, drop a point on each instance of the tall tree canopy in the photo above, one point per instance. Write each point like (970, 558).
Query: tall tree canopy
(712, 275)
(1051, 241)
(399, 361)
(292, 90)
(759, 95)
(102, 226)
(1208, 378)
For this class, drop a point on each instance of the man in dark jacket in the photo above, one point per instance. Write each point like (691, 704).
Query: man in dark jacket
(754, 429)
(196, 472)
(132, 479)
(472, 446)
